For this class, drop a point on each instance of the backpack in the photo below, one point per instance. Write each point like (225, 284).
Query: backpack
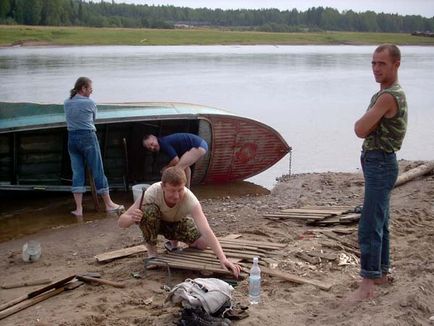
(209, 293)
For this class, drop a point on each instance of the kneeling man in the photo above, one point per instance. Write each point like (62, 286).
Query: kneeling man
(166, 209)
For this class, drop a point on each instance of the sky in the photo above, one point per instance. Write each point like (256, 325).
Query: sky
(402, 7)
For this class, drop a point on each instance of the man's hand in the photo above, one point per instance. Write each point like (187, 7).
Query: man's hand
(136, 215)
(228, 265)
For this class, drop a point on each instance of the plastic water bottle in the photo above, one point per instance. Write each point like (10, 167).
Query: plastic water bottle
(31, 251)
(255, 282)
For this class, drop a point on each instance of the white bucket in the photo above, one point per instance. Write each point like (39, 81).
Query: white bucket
(138, 189)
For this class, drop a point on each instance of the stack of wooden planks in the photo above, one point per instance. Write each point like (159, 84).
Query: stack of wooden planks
(318, 215)
(236, 250)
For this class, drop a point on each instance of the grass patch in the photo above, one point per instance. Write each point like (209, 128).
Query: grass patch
(33, 35)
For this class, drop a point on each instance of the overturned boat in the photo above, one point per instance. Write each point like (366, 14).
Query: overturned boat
(34, 153)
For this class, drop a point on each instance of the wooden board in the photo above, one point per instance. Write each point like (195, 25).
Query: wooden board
(120, 253)
(296, 217)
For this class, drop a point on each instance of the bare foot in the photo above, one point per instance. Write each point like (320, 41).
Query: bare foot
(77, 213)
(364, 292)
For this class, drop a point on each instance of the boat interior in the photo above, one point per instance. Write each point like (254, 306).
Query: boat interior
(39, 159)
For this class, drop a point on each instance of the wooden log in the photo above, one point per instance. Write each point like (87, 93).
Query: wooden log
(415, 173)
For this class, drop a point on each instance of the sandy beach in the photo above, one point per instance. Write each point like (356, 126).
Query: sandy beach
(71, 249)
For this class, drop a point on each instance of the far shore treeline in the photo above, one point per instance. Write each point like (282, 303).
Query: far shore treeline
(110, 14)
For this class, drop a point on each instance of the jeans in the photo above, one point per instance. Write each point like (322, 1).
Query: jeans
(380, 170)
(84, 149)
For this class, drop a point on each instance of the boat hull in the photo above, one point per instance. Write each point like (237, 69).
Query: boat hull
(34, 156)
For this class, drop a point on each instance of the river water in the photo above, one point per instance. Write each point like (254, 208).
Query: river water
(312, 95)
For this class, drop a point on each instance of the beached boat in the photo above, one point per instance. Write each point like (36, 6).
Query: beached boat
(34, 155)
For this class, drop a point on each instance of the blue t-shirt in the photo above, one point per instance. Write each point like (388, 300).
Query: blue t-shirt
(80, 112)
(177, 144)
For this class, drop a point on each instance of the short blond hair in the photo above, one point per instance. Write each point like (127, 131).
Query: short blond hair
(174, 176)
(392, 49)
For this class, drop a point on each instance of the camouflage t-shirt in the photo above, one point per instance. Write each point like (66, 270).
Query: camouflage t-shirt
(155, 195)
(389, 134)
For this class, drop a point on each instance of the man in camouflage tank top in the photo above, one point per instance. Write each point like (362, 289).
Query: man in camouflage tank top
(383, 128)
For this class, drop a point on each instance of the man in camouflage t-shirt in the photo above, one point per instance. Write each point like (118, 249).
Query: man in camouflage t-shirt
(170, 209)
(383, 128)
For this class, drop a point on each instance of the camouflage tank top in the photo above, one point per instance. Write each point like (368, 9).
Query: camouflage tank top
(389, 134)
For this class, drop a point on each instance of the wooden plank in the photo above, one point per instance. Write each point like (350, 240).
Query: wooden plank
(25, 283)
(297, 217)
(350, 217)
(37, 292)
(239, 253)
(120, 253)
(258, 244)
(231, 236)
(345, 242)
(340, 246)
(305, 213)
(329, 220)
(331, 257)
(30, 302)
(340, 230)
(294, 278)
(337, 207)
(195, 267)
(242, 247)
(313, 211)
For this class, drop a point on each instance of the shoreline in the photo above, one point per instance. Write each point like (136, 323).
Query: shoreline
(14, 35)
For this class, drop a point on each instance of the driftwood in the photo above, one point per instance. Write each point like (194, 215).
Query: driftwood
(415, 173)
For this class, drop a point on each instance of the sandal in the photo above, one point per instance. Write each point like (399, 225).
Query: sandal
(169, 247)
(118, 210)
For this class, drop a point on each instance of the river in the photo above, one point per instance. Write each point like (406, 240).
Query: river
(312, 95)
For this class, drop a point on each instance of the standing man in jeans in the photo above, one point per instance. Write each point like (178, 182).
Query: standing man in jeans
(83, 146)
(383, 127)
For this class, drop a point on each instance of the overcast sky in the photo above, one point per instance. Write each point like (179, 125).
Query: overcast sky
(403, 7)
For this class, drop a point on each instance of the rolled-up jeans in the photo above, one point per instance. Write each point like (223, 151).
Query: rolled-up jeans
(83, 148)
(380, 170)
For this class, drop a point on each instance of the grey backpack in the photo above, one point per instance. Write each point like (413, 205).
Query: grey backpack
(209, 293)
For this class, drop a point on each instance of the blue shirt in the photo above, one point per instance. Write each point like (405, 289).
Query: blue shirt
(80, 112)
(177, 144)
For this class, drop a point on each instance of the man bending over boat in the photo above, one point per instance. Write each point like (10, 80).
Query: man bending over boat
(183, 149)
(171, 209)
